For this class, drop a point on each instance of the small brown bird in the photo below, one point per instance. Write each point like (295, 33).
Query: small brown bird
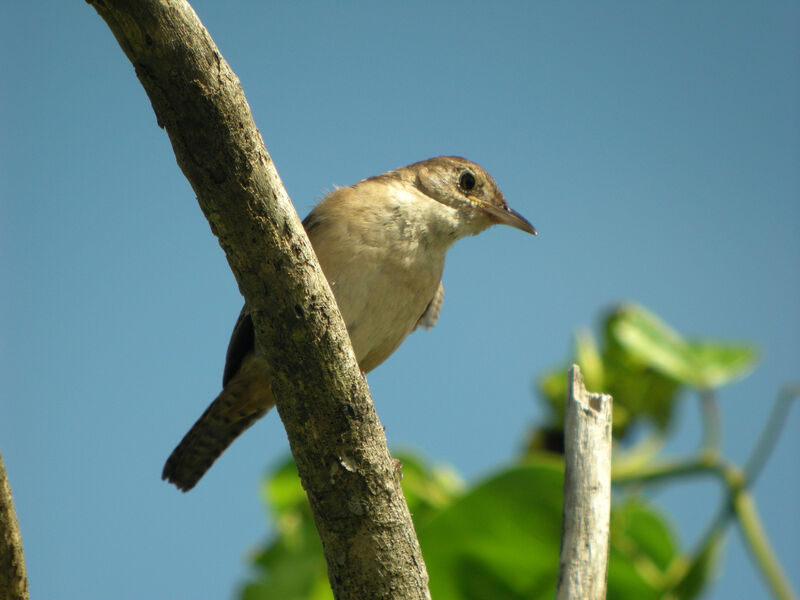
(381, 244)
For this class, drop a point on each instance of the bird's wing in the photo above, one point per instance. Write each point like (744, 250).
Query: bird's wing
(431, 314)
(242, 343)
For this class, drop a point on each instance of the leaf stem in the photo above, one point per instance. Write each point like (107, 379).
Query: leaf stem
(772, 431)
(759, 546)
(662, 470)
(712, 421)
(738, 501)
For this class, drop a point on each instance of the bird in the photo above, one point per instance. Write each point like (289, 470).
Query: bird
(381, 244)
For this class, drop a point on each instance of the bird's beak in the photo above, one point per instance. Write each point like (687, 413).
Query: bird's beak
(507, 216)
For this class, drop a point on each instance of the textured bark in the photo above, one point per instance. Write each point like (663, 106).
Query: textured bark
(322, 398)
(587, 493)
(13, 581)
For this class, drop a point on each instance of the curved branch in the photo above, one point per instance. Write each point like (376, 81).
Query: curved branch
(322, 397)
(13, 581)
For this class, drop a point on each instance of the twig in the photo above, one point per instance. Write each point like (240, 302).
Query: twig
(587, 493)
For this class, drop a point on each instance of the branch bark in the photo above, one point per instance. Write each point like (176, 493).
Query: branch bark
(322, 397)
(587, 493)
(13, 580)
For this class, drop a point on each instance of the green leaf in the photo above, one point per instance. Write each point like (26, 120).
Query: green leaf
(282, 490)
(718, 364)
(647, 338)
(642, 551)
(702, 569)
(640, 393)
(427, 489)
(646, 533)
(291, 566)
(656, 345)
(590, 360)
(501, 540)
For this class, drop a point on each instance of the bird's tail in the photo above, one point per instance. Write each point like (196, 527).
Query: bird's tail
(222, 422)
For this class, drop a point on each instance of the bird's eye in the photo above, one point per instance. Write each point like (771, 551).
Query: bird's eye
(467, 181)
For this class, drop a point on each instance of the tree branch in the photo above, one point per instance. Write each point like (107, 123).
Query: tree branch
(13, 581)
(322, 397)
(587, 493)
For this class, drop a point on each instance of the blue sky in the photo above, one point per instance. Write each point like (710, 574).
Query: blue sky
(655, 146)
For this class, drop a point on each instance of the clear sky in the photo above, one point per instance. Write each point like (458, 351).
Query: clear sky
(655, 146)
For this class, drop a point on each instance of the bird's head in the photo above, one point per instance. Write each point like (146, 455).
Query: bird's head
(466, 187)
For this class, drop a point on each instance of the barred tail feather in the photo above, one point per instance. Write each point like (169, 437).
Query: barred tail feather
(222, 422)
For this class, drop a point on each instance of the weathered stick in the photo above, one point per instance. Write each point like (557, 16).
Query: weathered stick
(587, 493)
(322, 398)
(13, 581)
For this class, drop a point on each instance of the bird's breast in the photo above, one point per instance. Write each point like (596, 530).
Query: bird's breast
(381, 245)
(382, 289)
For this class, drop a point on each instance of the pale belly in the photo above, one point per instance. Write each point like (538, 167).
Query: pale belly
(382, 300)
